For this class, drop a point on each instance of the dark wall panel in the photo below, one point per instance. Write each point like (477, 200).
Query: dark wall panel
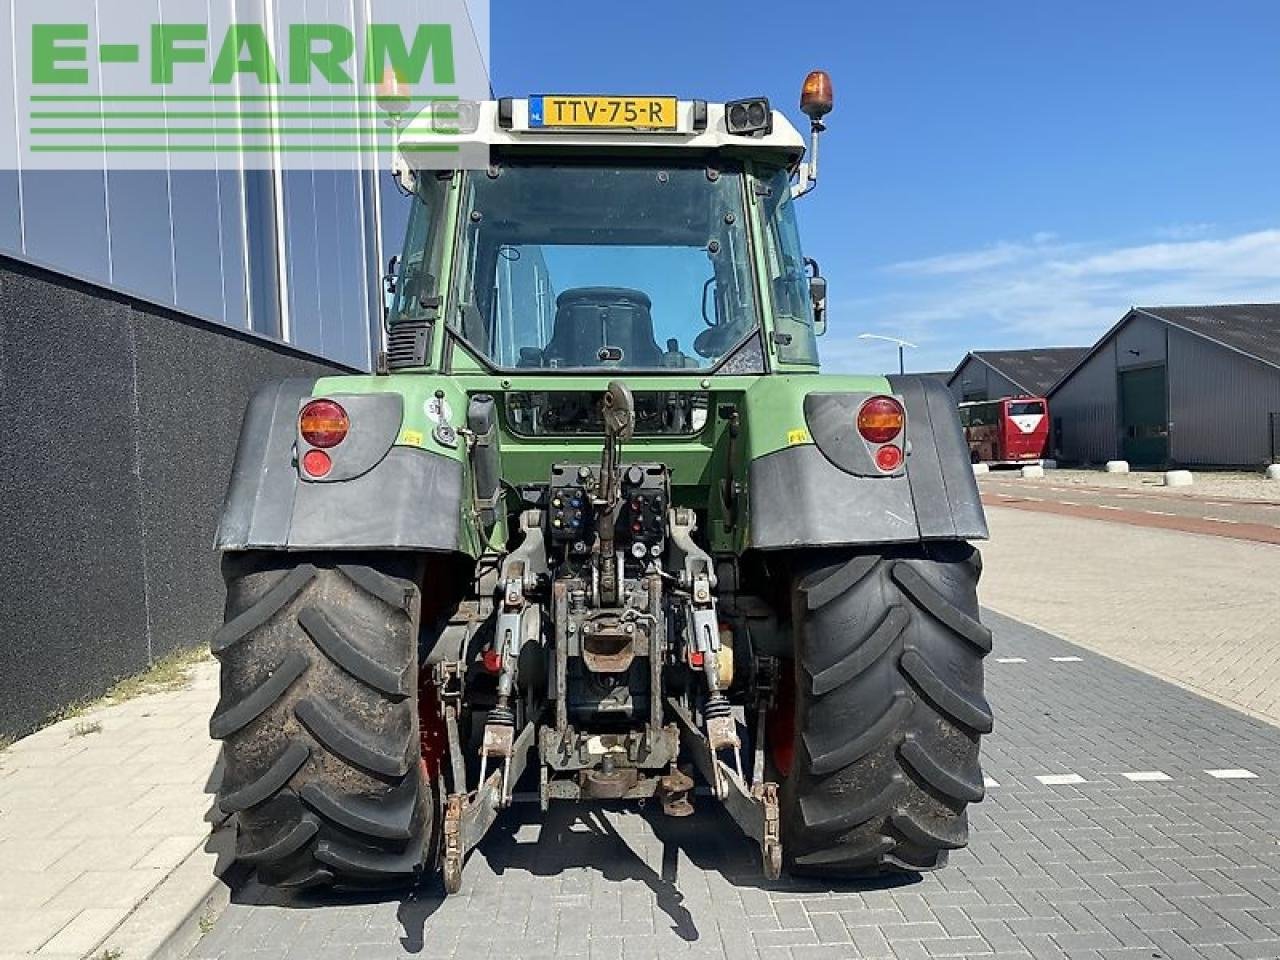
(120, 421)
(70, 565)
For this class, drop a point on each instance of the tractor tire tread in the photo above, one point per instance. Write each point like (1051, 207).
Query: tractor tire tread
(235, 715)
(889, 709)
(291, 842)
(927, 596)
(318, 718)
(237, 629)
(269, 783)
(863, 655)
(341, 737)
(390, 819)
(324, 633)
(821, 590)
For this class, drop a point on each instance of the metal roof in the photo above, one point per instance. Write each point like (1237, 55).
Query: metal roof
(1034, 371)
(1250, 328)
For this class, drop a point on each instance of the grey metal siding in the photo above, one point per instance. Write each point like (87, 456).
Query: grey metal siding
(1086, 403)
(1218, 403)
(1140, 342)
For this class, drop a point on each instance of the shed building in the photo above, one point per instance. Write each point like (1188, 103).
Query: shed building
(1192, 386)
(994, 374)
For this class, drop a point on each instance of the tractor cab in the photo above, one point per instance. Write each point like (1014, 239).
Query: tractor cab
(634, 234)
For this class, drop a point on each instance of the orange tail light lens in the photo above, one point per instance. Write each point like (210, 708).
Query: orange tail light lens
(881, 419)
(323, 424)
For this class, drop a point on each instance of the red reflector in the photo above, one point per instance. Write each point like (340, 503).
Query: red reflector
(492, 661)
(695, 659)
(316, 463)
(881, 419)
(323, 424)
(889, 458)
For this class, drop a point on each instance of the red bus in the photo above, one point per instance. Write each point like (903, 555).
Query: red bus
(1014, 430)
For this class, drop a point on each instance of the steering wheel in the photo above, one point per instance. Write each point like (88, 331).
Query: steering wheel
(711, 344)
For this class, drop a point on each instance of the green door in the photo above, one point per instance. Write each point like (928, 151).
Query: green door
(1144, 418)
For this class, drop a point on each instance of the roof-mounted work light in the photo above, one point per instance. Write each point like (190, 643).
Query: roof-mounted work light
(746, 118)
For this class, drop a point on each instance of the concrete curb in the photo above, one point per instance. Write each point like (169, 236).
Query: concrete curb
(173, 917)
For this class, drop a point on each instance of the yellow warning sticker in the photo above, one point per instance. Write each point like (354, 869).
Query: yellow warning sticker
(798, 436)
(412, 438)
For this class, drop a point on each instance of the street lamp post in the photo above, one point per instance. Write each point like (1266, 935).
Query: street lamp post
(902, 347)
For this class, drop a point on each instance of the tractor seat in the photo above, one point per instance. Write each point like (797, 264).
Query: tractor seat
(590, 318)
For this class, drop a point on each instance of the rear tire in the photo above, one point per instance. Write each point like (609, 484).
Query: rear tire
(319, 720)
(888, 711)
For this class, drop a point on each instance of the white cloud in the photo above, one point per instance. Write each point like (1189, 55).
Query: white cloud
(967, 261)
(1247, 255)
(1047, 292)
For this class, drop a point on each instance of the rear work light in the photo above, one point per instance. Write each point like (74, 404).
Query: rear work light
(881, 419)
(323, 424)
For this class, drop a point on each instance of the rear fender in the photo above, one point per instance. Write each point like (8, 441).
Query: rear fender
(828, 492)
(378, 495)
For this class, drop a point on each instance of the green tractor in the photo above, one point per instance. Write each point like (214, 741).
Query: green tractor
(597, 525)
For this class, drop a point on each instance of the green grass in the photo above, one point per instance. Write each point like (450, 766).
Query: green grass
(5, 743)
(172, 672)
(86, 727)
(70, 711)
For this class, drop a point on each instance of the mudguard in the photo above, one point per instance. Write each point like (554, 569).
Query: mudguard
(379, 496)
(828, 493)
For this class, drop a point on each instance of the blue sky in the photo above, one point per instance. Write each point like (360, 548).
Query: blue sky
(997, 174)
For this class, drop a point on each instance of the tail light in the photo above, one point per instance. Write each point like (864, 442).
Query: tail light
(881, 419)
(317, 463)
(323, 424)
(889, 458)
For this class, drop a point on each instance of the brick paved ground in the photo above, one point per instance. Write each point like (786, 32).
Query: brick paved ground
(1201, 611)
(96, 811)
(1170, 862)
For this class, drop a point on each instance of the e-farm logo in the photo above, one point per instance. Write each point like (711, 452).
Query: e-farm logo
(113, 88)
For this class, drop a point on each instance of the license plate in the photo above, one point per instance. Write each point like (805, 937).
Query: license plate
(617, 113)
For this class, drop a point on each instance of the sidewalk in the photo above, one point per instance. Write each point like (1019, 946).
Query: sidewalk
(100, 816)
(1197, 611)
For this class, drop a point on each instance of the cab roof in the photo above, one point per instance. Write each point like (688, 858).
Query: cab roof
(477, 127)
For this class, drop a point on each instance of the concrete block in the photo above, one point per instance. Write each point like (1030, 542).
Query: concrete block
(980, 468)
(1049, 464)
(1178, 478)
(1117, 466)
(1273, 472)
(1034, 472)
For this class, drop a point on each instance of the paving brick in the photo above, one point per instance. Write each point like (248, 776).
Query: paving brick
(1110, 869)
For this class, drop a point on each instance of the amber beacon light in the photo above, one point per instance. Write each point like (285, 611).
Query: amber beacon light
(816, 97)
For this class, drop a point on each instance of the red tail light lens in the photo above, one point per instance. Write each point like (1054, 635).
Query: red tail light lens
(881, 419)
(317, 463)
(889, 458)
(323, 424)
